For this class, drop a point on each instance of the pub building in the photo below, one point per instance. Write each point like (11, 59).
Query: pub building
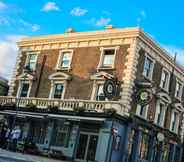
(112, 95)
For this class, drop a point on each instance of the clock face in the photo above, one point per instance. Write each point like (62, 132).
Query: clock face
(144, 96)
(110, 88)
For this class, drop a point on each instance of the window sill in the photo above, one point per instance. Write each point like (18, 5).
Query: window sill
(142, 117)
(148, 78)
(164, 89)
(106, 68)
(62, 69)
(178, 98)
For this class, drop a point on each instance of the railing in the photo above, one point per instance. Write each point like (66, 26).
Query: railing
(68, 105)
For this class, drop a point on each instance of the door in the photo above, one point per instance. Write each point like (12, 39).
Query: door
(86, 150)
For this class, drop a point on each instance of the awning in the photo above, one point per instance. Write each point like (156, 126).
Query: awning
(53, 116)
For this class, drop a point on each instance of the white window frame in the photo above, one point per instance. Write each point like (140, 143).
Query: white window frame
(181, 90)
(177, 122)
(95, 88)
(28, 57)
(166, 88)
(58, 65)
(150, 77)
(52, 90)
(21, 82)
(138, 110)
(102, 49)
(157, 111)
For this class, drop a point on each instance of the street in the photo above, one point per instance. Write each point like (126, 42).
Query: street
(8, 156)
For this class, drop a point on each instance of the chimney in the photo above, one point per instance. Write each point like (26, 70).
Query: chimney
(70, 30)
(109, 27)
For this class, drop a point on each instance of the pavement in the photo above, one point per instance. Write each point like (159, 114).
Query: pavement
(7, 156)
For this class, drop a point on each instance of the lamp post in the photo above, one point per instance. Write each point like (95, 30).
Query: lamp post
(27, 70)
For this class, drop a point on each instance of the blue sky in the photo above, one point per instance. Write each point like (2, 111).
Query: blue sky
(163, 20)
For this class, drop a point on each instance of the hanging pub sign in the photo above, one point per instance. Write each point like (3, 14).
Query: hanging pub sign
(110, 88)
(144, 96)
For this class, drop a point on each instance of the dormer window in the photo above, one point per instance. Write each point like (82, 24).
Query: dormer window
(65, 58)
(107, 58)
(178, 89)
(31, 61)
(165, 78)
(148, 67)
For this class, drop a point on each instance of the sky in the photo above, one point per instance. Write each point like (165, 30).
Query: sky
(163, 20)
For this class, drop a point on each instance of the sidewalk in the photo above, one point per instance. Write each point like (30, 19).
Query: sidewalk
(25, 157)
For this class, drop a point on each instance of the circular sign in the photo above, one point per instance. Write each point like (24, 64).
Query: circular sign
(160, 137)
(109, 89)
(144, 96)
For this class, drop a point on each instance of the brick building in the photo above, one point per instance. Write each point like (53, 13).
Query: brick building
(61, 103)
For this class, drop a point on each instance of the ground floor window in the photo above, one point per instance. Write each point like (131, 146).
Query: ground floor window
(61, 134)
(166, 151)
(177, 154)
(39, 133)
(131, 139)
(144, 146)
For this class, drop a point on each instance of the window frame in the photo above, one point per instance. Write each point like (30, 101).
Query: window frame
(60, 58)
(138, 109)
(181, 90)
(28, 59)
(156, 112)
(150, 77)
(21, 82)
(102, 49)
(178, 121)
(52, 90)
(166, 88)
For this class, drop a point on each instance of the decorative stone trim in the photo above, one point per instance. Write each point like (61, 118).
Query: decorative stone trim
(130, 75)
(15, 73)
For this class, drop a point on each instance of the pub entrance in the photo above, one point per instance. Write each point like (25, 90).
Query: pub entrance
(87, 145)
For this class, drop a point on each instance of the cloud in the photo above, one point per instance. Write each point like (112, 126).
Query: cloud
(50, 6)
(2, 6)
(103, 21)
(172, 50)
(78, 11)
(142, 16)
(33, 27)
(8, 54)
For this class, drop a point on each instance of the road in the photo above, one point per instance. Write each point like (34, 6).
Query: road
(6, 159)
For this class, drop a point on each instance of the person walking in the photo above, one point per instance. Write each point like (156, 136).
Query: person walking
(16, 133)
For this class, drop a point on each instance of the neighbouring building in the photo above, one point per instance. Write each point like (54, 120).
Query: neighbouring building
(3, 86)
(62, 106)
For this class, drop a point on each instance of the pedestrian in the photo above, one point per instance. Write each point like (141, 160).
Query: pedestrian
(3, 134)
(16, 133)
(6, 139)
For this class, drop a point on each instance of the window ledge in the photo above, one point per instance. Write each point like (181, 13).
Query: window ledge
(62, 69)
(164, 89)
(106, 68)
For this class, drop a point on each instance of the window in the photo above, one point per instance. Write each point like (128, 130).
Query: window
(178, 89)
(24, 90)
(160, 113)
(174, 121)
(148, 67)
(61, 134)
(57, 90)
(131, 139)
(107, 58)
(165, 78)
(31, 61)
(99, 93)
(142, 110)
(144, 147)
(65, 58)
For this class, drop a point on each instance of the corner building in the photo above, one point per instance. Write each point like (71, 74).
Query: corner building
(61, 105)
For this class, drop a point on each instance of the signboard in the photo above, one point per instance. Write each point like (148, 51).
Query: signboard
(110, 88)
(144, 96)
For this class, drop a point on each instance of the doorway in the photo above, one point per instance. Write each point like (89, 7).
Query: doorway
(86, 149)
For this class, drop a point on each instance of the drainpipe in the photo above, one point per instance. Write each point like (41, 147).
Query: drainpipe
(40, 75)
